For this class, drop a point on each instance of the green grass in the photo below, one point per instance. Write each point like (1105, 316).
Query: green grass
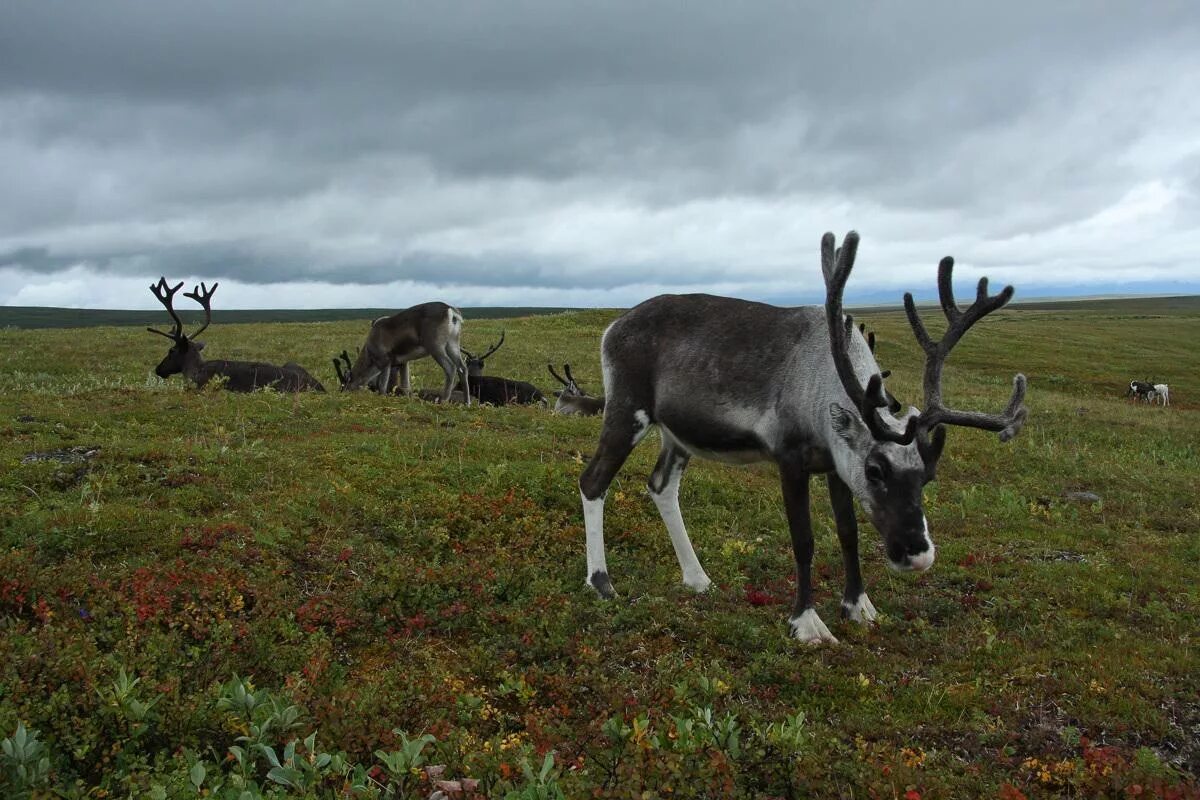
(385, 563)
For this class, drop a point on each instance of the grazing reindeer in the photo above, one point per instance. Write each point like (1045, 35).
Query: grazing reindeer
(740, 382)
(1161, 392)
(1140, 390)
(499, 391)
(428, 329)
(428, 395)
(240, 376)
(572, 400)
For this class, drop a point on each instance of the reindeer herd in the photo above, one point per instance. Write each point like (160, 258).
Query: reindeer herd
(723, 379)
(429, 330)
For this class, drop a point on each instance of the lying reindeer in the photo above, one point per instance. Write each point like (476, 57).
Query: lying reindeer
(240, 376)
(572, 400)
(498, 391)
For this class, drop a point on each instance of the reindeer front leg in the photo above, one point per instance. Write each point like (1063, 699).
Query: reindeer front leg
(806, 625)
(856, 606)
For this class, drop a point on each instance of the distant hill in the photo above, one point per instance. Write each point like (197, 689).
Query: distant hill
(49, 317)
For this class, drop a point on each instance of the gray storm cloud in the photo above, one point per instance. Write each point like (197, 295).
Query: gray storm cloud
(309, 154)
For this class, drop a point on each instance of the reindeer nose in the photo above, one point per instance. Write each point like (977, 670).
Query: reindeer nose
(922, 561)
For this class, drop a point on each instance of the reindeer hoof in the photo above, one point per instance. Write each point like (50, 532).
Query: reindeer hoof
(697, 583)
(860, 610)
(809, 628)
(603, 586)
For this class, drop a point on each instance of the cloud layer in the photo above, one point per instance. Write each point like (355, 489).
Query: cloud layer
(311, 155)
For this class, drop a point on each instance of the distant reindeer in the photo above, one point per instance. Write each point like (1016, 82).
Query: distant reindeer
(429, 329)
(1161, 393)
(240, 376)
(1140, 390)
(498, 391)
(572, 400)
(741, 382)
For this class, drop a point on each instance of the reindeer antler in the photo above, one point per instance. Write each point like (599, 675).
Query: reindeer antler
(571, 378)
(343, 378)
(836, 265)
(557, 377)
(1009, 422)
(166, 296)
(203, 296)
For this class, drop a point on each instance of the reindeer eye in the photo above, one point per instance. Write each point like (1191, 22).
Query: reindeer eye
(875, 473)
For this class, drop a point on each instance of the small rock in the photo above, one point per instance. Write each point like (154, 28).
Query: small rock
(66, 455)
(26, 418)
(1082, 497)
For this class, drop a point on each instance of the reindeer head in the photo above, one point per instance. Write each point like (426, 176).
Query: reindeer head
(186, 349)
(475, 363)
(570, 387)
(887, 462)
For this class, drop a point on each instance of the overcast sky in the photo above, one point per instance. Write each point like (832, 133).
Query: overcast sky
(318, 154)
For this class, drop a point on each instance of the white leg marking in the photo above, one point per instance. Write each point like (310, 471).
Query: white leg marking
(694, 576)
(593, 525)
(643, 425)
(809, 628)
(861, 610)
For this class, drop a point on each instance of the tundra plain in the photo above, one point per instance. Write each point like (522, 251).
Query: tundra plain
(185, 572)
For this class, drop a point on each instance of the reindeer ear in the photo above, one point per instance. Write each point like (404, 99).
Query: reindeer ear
(198, 346)
(847, 424)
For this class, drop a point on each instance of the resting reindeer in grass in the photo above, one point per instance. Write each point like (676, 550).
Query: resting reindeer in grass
(428, 329)
(498, 391)
(240, 376)
(572, 400)
(741, 382)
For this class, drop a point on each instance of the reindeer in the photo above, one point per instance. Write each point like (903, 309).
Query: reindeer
(240, 376)
(428, 395)
(498, 391)
(1161, 393)
(740, 382)
(1140, 390)
(428, 329)
(572, 400)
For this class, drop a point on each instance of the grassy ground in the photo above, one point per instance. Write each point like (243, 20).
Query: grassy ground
(385, 564)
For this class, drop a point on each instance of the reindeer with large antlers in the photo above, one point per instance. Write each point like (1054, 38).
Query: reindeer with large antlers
(241, 376)
(573, 400)
(740, 382)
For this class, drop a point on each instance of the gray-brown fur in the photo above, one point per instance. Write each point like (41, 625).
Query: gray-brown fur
(429, 329)
(239, 376)
(741, 381)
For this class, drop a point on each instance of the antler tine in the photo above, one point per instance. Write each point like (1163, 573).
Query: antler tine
(570, 377)
(1009, 422)
(494, 347)
(557, 377)
(470, 356)
(166, 296)
(203, 296)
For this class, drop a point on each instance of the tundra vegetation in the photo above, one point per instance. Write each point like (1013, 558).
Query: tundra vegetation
(205, 593)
